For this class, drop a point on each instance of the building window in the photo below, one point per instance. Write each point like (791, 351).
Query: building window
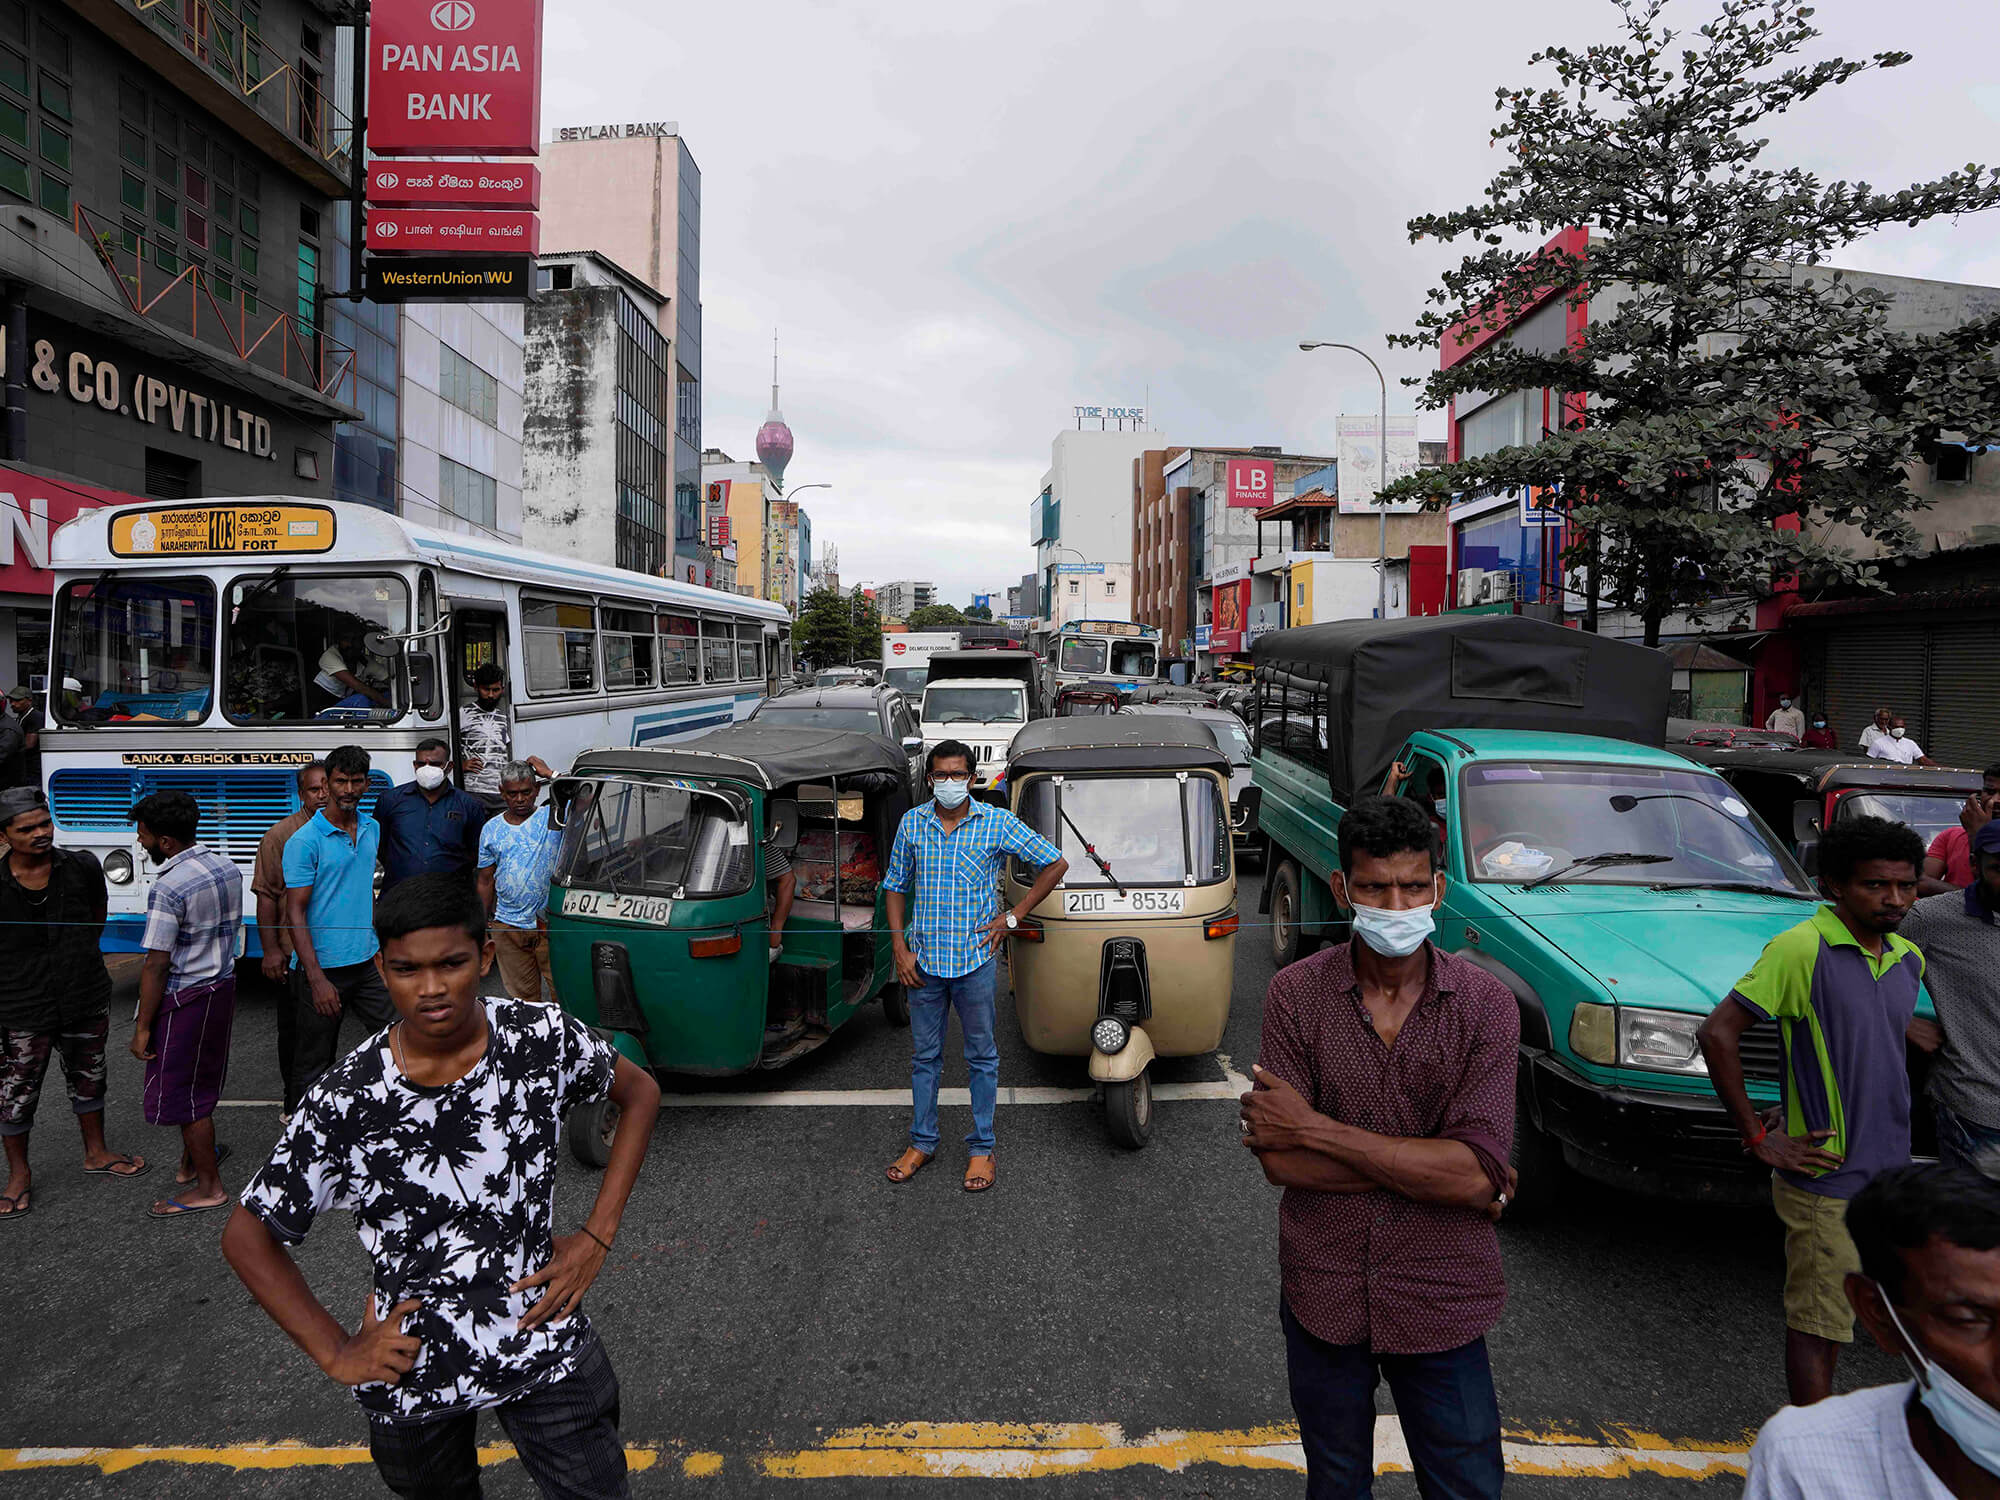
(1951, 463)
(687, 407)
(466, 493)
(308, 276)
(1110, 589)
(468, 387)
(171, 477)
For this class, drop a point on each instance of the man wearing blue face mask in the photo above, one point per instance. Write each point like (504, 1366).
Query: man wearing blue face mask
(944, 877)
(1929, 1293)
(1384, 1106)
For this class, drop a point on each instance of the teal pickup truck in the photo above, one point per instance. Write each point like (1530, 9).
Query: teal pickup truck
(1616, 888)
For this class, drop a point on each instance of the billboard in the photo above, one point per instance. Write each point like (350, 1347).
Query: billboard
(1251, 481)
(31, 508)
(1231, 616)
(455, 77)
(1360, 461)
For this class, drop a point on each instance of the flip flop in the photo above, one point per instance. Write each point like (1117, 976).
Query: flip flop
(899, 1173)
(221, 1156)
(110, 1168)
(181, 1210)
(14, 1208)
(978, 1184)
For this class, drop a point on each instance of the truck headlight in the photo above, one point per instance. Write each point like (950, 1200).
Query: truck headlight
(118, 867)
(1662, 1040)
(1593, 1033)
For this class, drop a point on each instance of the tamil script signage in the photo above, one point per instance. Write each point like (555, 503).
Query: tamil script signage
(454, 184)
(211, 530)
(457, 76)
(417, 231)
(618, 132)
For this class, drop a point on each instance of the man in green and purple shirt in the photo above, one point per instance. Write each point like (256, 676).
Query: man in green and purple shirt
(1843, 988)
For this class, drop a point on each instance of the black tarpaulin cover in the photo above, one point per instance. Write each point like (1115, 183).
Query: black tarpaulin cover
(1385, 680)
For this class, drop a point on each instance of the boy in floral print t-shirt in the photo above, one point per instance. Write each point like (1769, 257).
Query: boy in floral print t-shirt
(440, 1134)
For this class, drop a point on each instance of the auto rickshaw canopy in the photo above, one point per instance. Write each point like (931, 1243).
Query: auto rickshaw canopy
(1118, 742)
(762, 753)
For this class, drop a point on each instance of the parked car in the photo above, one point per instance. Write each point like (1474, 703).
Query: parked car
(846, 677)
(878, 710)
(1739, 736)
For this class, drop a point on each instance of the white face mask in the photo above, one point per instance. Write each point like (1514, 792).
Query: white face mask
(1972, 1423)
(951, 793)
(1396, 934)
(1899, 731)
(1784, 703)
(430, 778)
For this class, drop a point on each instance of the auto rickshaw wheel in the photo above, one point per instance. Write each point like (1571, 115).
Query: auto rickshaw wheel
(589, 1130)
(896, 1004)
(1289, 942)
(1128, 1110)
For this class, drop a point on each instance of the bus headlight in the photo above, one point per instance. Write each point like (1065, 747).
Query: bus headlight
(118, 867)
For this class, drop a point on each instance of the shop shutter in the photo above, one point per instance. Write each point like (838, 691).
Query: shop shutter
(1871, 663)
(1964, 717)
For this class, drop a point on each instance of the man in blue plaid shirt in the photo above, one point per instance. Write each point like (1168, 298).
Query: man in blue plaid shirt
(948, 854)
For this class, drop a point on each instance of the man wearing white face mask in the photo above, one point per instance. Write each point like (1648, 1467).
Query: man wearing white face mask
(1384, 1106)
(1787, 718)
(429, 827)
(1929, 1293)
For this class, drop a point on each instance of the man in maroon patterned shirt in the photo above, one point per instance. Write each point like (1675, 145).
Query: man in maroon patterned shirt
(1384, 1106)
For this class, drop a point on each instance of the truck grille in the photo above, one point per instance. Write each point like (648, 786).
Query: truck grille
(1763, 1053)
(237, 807)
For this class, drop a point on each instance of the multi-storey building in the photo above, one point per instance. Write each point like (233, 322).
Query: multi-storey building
(598, 465)
(169, 174)
(634, 194)
(903, 597)
(1083, 519)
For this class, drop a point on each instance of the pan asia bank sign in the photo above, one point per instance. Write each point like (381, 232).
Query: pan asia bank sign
(455, 76)
(30, 511)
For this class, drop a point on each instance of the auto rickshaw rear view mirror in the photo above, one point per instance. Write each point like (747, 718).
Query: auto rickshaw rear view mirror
(562, 792)
(784, 834)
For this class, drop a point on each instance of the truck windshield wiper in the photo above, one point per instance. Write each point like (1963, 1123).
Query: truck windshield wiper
(1599, 861)
(1735, 885)
(1088, 847)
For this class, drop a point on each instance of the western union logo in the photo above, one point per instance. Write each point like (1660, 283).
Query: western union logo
(489, 276)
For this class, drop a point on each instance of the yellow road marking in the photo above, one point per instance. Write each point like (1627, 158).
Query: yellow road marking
(1002, 1450)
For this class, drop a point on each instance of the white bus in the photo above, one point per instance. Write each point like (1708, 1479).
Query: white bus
(214, 646)
(1103, 653)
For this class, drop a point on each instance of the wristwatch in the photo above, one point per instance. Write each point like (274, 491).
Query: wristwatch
(1013, 921)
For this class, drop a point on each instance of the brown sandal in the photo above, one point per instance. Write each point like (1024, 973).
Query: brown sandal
(906, 1166)
(975, 1181)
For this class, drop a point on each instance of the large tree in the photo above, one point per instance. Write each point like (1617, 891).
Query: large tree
(1727, 379)
(934, 617)
(836, 628)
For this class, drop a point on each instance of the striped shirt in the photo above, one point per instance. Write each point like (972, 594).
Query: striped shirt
(194, 914)
(955, 875)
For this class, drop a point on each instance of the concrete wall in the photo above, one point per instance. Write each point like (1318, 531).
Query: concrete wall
(618, 197)
(1099, 596)
(1091, 474)
(569, 476)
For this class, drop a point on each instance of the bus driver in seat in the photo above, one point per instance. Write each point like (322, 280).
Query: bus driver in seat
(340, 666)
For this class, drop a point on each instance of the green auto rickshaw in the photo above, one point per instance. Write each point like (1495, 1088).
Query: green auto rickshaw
(660, 907)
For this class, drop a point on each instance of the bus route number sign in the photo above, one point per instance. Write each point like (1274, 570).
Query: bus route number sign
(184, 531)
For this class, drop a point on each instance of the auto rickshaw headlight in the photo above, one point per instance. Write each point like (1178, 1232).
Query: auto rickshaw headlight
(1110, 1035)
(1593, 1033)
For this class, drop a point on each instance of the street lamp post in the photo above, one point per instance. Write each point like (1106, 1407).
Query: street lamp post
(1084, 576)
(766, 561)
(1382, 475)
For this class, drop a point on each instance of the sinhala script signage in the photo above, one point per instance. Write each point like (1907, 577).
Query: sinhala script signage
(180, 531)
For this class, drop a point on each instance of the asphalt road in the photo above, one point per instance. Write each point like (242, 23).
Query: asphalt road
(771, 1294)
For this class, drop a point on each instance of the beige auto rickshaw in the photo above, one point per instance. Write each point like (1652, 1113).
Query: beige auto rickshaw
(1132, 956)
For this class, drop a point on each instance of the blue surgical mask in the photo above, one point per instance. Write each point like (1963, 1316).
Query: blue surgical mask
(1394, 934)
(1971, 1422)
(951, 793)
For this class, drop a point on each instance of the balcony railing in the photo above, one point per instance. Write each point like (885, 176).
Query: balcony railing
(214, 35)
(184, 301)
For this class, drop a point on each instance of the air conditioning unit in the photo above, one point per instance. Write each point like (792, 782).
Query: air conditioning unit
(1496, 587)
(1470, 582)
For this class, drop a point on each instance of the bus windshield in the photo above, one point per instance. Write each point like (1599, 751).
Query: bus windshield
(1134, 659)
(142, 651)
(1083, 656)
(296, 648)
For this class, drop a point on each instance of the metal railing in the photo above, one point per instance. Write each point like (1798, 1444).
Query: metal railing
(214, 35)
(300, 352)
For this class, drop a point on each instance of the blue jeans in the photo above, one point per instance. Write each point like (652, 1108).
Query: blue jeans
(1963, 1143)
(1445, 1402)
(931, 1004)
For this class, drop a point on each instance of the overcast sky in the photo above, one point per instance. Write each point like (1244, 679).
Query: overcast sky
(965, 222)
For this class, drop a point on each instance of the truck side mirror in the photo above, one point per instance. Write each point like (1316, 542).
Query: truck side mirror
(424, 683)
(784, 819)
(1248, 804)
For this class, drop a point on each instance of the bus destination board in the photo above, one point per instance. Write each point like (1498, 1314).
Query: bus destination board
(225, 530)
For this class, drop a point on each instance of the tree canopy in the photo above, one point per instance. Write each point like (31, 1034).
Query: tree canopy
(1727, 379)
(934, 617)
(835, 628)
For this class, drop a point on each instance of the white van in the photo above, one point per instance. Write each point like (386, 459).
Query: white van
(906, 657)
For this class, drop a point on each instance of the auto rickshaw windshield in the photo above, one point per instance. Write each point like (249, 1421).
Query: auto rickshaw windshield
(1151, 830)
(1930, 815)
(676, 838)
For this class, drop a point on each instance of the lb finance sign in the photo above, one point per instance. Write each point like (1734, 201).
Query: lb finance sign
(455, 76)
